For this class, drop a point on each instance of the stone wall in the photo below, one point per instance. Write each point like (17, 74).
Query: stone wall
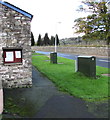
(15, 32)
(95, 51)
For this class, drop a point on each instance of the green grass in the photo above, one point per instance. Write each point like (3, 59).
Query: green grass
(37, 54)
(76, 84)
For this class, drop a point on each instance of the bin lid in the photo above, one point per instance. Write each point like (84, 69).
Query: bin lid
(86, 56)
(53, 52)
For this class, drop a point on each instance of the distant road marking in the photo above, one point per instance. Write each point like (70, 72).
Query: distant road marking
(104, 60)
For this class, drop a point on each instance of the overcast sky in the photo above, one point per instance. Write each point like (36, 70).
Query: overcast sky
(51, 16)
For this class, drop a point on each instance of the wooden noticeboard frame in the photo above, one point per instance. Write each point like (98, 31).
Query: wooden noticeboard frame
(12, 56)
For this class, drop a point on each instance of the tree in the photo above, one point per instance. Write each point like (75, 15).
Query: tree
(52, 41)
(46, 39)
(39, 42)
(32, 40)
(96, 25)
(57, 40)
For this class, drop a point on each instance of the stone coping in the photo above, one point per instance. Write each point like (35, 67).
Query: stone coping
(13, 64)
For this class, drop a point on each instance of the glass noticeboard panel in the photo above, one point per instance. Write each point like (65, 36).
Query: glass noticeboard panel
(9, 57)
(18, 54)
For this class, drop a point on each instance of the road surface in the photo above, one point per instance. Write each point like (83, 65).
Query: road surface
(103, 62)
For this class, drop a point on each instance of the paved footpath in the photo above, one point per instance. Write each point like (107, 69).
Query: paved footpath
(45, 101)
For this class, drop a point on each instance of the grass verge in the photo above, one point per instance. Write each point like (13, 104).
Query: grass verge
(76, 84)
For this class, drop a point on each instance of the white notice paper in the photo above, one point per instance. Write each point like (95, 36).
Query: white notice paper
(18, 54)
(9, 57)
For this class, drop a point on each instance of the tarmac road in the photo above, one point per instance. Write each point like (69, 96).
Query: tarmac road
(44, 100)
(100, 61)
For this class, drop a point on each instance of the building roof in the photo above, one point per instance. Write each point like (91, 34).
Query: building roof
(17, 9)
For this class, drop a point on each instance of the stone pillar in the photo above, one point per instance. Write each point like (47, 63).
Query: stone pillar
(1, 101)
